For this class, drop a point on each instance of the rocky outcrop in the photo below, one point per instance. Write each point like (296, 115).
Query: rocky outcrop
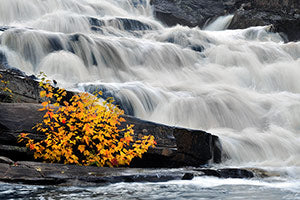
(284, 15)
(188, 12)
(175, 146)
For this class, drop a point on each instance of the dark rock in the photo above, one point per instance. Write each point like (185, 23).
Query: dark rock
(25, 89)
(58, 174)
(286, 24)
(188, 12)
(36, 173)
(227, 173)
(188, 176)
(18, 118)
(4, 28)
(123, 23)
(283, 15)
(194, 147)
(16, 152)
(175, 146)
(6, 160)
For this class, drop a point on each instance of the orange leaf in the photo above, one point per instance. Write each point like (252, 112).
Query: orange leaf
(45, 103)
(81, 148)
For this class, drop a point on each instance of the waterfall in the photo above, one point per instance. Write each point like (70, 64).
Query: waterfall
(219, 24)
(242, 85)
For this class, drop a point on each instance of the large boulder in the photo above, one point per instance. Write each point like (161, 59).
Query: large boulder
(175, 146)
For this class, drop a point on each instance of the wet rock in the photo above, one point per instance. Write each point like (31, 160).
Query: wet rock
(261, 173)
(227, 173)
(188, 176)
(122, 23)
(6, 160)
(36, 173)
(58, 174)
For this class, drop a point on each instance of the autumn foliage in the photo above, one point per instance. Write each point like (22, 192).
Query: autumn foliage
(4, 87)
(84, 131)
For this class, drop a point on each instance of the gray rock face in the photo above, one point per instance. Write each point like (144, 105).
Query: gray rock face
(24, 88)
(283, 14)
(187, 12)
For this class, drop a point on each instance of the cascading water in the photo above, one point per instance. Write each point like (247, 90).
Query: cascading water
(242, 85)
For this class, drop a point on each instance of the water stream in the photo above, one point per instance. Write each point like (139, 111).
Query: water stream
(242, 85)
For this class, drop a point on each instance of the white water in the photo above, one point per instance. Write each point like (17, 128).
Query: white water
(219, 24)
(242, 85)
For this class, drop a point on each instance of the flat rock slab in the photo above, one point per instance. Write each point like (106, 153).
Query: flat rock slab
(35, 173)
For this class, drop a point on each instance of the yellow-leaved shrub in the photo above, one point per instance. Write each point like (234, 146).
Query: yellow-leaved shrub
(84, 131)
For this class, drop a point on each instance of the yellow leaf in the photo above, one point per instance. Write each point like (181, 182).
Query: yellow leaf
(42, 93)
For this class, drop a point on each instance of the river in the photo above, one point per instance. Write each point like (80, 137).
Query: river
(242, 85)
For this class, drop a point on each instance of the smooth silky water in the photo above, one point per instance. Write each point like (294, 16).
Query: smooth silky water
(242, 85)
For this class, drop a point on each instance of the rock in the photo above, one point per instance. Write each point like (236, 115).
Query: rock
(195, 146)
(287, 25)
(35, 173)
(175, 146)
(188, 176)
(16, 152)
(25, 89)
(189, 12)
(283, 15)
(6, 160)
(227, 173)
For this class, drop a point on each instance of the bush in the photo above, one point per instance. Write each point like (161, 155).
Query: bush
(84, 131)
